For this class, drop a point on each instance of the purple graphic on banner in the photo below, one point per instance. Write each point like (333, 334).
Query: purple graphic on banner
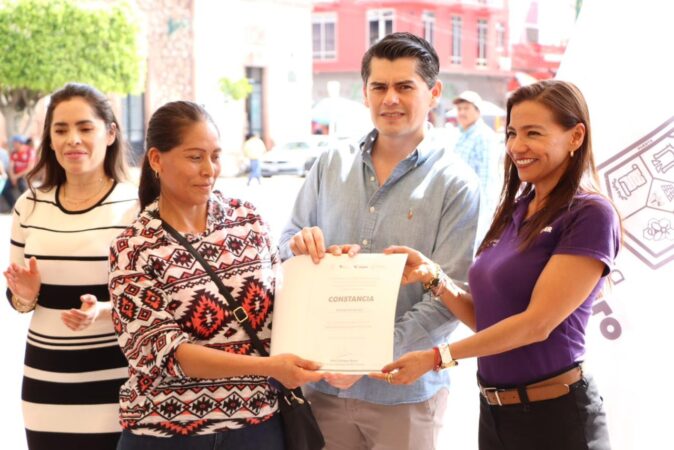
(640, 181)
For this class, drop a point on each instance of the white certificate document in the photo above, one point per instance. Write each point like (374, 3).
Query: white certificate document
(340, 312)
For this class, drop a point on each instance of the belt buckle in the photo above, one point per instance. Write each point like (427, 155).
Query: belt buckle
(240, 314)
(495, 391)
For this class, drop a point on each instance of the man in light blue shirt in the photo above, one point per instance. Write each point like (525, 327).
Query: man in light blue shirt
(401, 187)
(477, 147)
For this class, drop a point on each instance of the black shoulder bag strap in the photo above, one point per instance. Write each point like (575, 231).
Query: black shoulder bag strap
(234, 306)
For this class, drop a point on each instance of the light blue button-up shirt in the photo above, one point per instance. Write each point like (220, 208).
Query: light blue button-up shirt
(478, 147)
(430, 203)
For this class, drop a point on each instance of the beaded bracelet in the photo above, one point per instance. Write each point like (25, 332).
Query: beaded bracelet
(445, 284)
(436, 271)
(437, 361)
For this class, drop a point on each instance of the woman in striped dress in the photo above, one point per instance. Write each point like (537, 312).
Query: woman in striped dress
(61, 235)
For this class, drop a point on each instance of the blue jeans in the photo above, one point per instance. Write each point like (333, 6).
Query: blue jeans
(575, 421)
(8, 194)
(267, 435)
(255, 170)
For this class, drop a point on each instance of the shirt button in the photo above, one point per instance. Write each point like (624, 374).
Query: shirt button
(364, 241)
(371, 209)
(371, 178)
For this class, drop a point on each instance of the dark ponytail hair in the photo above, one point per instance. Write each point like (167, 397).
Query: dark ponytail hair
(165, 132)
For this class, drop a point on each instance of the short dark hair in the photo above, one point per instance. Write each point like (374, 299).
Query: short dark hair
(165, 131)
(114, 163)
(404, 45)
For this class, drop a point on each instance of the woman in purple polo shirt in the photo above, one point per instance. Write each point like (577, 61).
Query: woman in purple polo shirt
(543, 261)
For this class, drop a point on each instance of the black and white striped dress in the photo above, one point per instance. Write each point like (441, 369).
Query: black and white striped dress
(71, 379)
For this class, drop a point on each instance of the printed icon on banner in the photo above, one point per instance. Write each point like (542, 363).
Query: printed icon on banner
(640, 182)
(668, 190)
(629, 182)
(664, 159)
(658, 230)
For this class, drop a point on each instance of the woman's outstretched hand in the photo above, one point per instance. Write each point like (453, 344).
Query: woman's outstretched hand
(408, 369)
(292, 371)
(418, 268)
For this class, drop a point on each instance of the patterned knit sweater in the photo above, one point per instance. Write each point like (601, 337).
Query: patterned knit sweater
(162, 298)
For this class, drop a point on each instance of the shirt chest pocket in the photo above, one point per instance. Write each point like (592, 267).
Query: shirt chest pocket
(409, 219)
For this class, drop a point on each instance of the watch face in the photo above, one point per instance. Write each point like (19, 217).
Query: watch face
(446, 357)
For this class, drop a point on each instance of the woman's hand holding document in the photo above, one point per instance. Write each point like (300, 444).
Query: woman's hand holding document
(339, 312)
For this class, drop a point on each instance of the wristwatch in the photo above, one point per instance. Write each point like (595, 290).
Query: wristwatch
(446, 359)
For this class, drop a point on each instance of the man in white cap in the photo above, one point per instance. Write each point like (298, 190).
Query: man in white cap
(477, 147)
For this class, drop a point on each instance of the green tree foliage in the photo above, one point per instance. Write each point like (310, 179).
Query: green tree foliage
(235, 90)
(47, 43)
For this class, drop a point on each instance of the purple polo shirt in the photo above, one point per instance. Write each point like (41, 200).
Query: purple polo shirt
(502, 280)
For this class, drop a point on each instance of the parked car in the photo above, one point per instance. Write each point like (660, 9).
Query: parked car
(294, 157)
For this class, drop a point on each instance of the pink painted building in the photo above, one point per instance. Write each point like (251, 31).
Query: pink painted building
(470, 36)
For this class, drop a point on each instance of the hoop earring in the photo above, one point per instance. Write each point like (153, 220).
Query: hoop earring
(571, 154)
(156, 174)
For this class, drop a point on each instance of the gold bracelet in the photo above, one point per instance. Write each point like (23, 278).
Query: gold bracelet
(22, 307)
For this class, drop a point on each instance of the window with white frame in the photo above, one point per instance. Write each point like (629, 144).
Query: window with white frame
(457, 30)
(531, 33)
(500, 36)
(482, 29)
(531, 27)
(428, 20)
(379, 24)
(324, 34)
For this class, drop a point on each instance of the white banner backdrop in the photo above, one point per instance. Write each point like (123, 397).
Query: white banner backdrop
(620, 56)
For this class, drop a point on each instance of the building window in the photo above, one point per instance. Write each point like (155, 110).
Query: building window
(379, 23)
(481, 43)
(133, 124)
(324, 32)
(531, 23)
(532, 34)
(457, 25)
(428, 20)
(500, 36)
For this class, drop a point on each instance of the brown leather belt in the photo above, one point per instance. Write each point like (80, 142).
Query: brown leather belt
(543, 390)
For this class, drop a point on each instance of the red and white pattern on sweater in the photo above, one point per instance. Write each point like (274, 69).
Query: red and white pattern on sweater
(162, 297)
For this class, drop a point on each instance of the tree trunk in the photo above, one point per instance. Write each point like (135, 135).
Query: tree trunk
(15, 105)
(12, 121)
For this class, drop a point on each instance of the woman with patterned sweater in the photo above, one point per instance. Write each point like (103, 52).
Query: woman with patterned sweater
(195, 380)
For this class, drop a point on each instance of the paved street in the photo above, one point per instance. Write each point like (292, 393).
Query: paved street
(274, 200)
